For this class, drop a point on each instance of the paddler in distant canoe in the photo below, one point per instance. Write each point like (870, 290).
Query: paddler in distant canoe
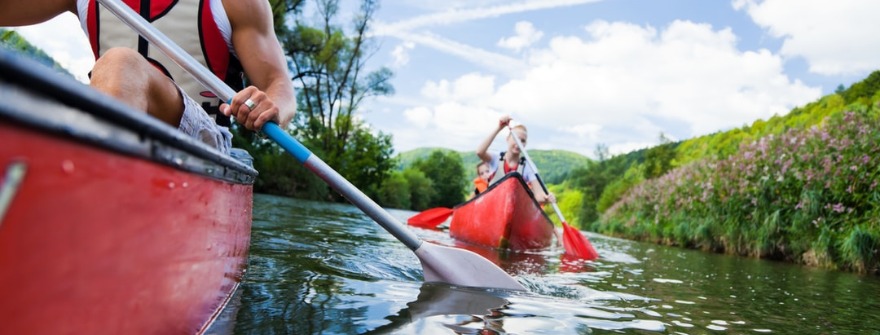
(511, 160)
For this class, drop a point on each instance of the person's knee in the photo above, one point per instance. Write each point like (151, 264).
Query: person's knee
(118, 63)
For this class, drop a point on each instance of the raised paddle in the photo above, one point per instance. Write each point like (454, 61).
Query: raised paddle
(430, 218)
(575, 243)
(440, 263)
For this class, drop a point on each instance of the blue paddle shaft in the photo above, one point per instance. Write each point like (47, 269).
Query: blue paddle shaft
(341, 185)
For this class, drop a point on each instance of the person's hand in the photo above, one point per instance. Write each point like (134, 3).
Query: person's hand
(551, 198)
(252, 108)
(504, 121)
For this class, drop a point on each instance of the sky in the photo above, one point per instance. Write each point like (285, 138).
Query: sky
(583, 73)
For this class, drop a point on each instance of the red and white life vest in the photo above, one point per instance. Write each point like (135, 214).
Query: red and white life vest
(519, 167)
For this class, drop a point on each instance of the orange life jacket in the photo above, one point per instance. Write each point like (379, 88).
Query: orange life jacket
(480, 185)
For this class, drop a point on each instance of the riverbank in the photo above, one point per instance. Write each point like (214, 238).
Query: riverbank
(807, 196)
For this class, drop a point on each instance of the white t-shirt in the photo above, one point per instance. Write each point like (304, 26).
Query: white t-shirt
(525, 169)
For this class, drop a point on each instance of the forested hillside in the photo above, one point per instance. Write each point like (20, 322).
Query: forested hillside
(554, 165)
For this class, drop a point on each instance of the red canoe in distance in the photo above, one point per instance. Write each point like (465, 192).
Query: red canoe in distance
(113, 222)
(505, 216)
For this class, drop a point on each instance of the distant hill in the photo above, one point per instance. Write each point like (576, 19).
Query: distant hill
(554, 165)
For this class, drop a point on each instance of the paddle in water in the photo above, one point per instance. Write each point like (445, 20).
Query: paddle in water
(440, 263)
(430, 218)
(576, 245)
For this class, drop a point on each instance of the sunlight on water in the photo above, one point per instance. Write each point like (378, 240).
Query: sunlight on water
(318, 268)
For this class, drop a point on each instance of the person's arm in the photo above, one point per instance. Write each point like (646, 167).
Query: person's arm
(256, 45)
(483, 148)
(26, 12)
(540, 196)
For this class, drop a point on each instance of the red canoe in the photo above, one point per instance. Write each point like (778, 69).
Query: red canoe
(111, 222)
(504, 216)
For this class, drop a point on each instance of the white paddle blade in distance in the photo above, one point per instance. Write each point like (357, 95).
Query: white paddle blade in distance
(464, 268)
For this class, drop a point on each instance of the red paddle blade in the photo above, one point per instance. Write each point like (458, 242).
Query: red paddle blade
(430, 218)
(576, 245)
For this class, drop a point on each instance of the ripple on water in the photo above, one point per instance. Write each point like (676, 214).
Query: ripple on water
(328, 269)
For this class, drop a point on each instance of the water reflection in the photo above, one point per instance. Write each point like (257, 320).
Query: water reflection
(320, 268)
(480, 311)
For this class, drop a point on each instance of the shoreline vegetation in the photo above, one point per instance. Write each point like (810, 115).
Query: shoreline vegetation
(806, 192)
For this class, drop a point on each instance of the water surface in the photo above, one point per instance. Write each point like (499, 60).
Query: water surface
(319, 268)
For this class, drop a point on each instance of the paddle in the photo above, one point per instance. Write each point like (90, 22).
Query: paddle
(430, 218)
(440, 263)
(575, 243)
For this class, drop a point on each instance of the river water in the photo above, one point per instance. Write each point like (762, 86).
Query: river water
(321, 268)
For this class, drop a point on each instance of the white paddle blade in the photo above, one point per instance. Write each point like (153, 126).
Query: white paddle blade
(464, 268)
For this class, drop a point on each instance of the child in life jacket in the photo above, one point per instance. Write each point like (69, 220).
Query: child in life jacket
(481, 182)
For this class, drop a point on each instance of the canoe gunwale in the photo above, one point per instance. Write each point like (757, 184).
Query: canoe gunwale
(522, 182)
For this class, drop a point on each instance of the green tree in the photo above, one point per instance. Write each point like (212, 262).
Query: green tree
(658, 160)
(602, 152)
(366, 159)
(421, 189)
(395, 192)
(329, 69)
(446, 172)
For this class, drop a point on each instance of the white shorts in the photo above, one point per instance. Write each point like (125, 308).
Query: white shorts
(196, 123)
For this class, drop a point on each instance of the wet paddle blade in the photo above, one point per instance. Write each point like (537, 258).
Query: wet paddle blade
(576, 245)
(461, 267)
(430, 218)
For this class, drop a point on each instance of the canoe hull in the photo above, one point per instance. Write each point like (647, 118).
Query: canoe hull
(96, 242)
(504, 216)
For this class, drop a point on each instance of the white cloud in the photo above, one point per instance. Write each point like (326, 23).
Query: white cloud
(586, 130)
(526, 35)
(400, 54)
(469, 88)
(622, 84)
(834, 37)
(494, 61)
(456, 14)
(448, 124)
(419, 116)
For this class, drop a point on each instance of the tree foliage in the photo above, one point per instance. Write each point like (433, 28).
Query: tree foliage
(446, 172)
(658, 160)
(554, 165)
(329, 65)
